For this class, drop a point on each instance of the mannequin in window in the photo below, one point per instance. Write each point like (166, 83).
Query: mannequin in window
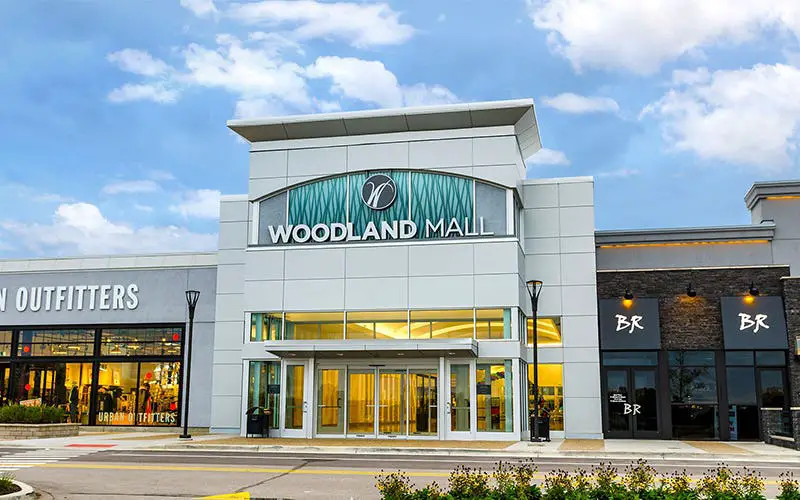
(73, 404)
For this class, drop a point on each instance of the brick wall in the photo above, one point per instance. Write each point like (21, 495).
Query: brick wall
(696, 323)
(791, 303)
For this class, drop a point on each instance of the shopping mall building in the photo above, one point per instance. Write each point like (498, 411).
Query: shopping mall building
(371, 283)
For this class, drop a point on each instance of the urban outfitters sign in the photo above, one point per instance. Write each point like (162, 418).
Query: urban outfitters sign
(396, 205)
(71, 298)
(754, 323)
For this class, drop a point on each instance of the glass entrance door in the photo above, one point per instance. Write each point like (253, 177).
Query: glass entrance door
(330, 401)
(392, 416)
(387, 402)
(361, 403)
(459, 401)
(631, 402)
(423, 407)
(295, 400)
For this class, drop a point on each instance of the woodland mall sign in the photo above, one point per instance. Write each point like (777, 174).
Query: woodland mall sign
(378, 192)
(71, 298)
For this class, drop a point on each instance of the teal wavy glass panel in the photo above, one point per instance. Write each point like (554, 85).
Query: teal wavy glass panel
(438, 196)
(361, 214)
(322, 202)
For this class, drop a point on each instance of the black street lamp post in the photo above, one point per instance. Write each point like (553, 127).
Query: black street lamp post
(191, 301)
(534, 289)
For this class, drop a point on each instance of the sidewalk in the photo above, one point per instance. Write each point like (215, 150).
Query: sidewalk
(571, 448)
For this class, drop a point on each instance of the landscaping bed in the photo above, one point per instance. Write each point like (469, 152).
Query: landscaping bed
(34, 422)
(603, 482)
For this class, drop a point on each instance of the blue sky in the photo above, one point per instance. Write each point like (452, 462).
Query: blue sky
(113, 112)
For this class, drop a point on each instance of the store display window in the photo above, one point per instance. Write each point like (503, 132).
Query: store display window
(66, 385)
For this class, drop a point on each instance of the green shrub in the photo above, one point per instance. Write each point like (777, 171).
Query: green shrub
(790, 489)
(639, 482)
(18, 414)
(7, 484)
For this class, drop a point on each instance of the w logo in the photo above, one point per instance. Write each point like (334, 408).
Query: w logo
(378, 192)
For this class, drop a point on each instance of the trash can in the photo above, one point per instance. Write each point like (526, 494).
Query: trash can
(257, 421)
(544, 427)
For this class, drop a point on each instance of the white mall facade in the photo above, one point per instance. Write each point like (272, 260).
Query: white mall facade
(371, 283)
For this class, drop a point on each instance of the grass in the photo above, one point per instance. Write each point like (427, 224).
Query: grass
(7, 484)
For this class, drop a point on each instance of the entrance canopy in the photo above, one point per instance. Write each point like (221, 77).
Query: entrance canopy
(452, 348)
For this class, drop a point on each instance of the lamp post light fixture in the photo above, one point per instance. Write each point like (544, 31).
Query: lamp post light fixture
(534, 289)
(690, 291)
(191, 301)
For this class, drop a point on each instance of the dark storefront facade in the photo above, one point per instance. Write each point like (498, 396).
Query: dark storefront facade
(107, 345)
(114, 375)
(693, 354)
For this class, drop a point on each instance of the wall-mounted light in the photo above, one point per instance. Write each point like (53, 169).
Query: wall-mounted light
(753, 290)
(627, 298)
(797, 346)
(690, 291)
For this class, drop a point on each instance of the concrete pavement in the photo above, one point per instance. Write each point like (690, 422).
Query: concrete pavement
(729, 452)
(142, 473)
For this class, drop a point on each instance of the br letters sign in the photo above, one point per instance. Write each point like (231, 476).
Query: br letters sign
(758, 323)
(629, 325)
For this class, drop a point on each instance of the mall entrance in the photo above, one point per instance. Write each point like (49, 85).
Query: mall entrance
(359, 401)
(376, 401)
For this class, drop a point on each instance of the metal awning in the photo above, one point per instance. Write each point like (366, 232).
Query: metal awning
(394, 349)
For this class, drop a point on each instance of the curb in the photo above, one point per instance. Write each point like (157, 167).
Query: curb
(448, 452)
(25, 491)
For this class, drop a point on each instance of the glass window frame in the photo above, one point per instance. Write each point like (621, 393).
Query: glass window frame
(528, 320)
(506, 325)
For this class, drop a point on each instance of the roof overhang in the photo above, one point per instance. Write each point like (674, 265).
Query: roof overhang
(755, 233)
(517, 113)
(386, 349)
(774, 189)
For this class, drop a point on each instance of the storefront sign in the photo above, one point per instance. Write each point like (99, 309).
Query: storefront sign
(130, 418)
(755, 323)
(629, 324)
(72, 298)
(394, 230)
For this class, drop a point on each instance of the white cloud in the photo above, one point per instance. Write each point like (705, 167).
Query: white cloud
(360, 24)
(80, 228)
(620, 173)
(143, 92)
(139, 62)
(143, 208)
(51, 198)
(578, 104)
(371, 82)
(200, 8)
(202, 203)
(143, 186)
(641, 35)
(547, 156)
(746, 116)
(161, 175)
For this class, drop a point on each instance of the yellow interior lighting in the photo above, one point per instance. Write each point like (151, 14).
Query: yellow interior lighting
(749, 299)
(686, 244)
(784, 197)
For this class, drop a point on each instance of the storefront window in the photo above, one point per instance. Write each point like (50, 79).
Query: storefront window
(141, 341)
(391, 325)
(5, 343)
(314, 326)
(693, 388)
(265, 387)
(548, 331)
(138, 394)
(116, 393)
(493, 324)
(551, 394)
(265, 326)
(459, 324)
(55, 343)
(67, 385)
(495, 396)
